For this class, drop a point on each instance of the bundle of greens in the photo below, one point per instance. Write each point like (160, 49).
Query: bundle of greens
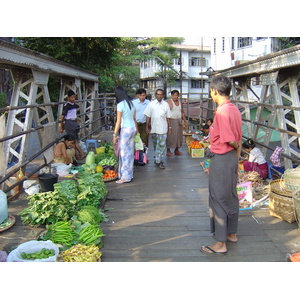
(90, 214)
(47, 208)
(91, 190)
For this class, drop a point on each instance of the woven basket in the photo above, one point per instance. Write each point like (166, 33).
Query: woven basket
(292, 179)
(296, 199)
(281, 204)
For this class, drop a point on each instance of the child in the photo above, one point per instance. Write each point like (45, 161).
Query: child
(205, 130)
(64, 151)
(256, 161)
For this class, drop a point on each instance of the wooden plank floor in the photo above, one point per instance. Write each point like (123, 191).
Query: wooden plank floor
(162, 216)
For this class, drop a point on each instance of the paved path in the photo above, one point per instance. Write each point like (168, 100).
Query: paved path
(162, 215)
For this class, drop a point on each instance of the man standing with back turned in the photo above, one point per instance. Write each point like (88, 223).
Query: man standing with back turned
(225, 146)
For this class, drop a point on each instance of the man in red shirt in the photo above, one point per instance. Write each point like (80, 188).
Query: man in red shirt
(225, 146)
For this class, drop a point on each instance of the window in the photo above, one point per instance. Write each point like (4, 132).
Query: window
(197, 84)
(177, 61)
(232, 43)
(223, 44)
(215, 45)
(244, 41)
(198, 62)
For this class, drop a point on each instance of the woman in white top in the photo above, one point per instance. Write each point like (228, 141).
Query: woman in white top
(256, 161)
(174, 138)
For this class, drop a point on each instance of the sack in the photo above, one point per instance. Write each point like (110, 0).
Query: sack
(31, 247)
(138, 143)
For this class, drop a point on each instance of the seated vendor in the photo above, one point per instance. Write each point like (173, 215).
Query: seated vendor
(256, 160)
(205, 130)
(64, 151)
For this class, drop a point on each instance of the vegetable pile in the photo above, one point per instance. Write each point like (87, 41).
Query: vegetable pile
(66, 199)
(110, 174)
(82, 253)
(44, 253)
(196, 145)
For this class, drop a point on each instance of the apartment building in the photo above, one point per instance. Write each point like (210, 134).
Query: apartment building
(194, 60)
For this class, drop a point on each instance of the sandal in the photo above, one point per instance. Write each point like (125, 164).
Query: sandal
(211, 251)
(122, 181)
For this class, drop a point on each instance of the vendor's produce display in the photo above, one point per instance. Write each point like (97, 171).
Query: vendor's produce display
(66, 199)
(110, 175)
(196, 145)
(44, 253)
(259, 189)
(82, 253)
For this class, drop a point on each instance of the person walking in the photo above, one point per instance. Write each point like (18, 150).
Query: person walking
(68, 122)
(174, 137)
(124, 132)
(158, 115)
(225, 146)
(140, 105)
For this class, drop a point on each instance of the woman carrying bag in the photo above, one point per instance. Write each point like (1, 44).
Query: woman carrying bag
(127, 127)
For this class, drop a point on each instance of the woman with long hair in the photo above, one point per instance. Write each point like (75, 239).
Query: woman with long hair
(124, 132)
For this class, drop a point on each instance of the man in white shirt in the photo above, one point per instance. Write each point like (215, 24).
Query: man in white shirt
(140, 105)
(158, 115)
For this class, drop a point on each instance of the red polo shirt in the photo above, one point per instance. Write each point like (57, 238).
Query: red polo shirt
(227, 127)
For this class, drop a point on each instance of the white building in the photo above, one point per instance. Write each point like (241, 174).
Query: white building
(227, 52)
(194, 60)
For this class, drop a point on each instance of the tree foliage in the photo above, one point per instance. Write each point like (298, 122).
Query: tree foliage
(114, 59)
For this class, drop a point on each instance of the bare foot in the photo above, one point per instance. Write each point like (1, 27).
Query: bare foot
(232, 237)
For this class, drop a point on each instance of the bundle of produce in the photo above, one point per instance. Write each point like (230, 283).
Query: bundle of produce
(82, 253)
(90, 234)
(42, 254)
(47, 208)
(110, 174)
(90, 214)
(250, 176)
(196, 145)
(109, 148)
(60, 233)
(91, 189)
(67, 189)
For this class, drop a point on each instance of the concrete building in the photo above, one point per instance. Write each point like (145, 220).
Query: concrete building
(227, 52)
(194, 60)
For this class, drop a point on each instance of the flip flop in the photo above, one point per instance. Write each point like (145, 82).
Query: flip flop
(122, 181)
(212, 251)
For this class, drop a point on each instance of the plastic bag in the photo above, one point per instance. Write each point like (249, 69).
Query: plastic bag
(62, 169)
(138, 143)
(3, 207)
(30, 247)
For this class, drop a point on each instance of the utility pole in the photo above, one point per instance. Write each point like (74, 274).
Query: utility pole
(180, 73)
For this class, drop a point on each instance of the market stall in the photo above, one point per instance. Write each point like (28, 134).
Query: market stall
(70, 212)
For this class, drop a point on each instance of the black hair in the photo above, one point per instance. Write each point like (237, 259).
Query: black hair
(222, 84)
(141, 91)
(160, 90)
(209, 119)
(122, 95)
(70, 93)
(174, 91)
(249, 143)
(69, 138)
(205, 126)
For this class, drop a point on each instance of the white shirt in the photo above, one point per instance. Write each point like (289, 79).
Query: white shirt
(158, 112)
(257, 156)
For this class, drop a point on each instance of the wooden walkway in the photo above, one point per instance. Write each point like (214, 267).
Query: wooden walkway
(162, 216)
